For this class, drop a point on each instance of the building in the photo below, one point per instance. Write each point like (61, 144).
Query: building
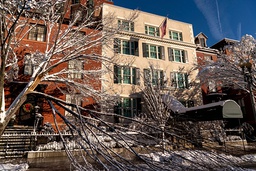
(243, 98)
(142, 44)
(211, 92)
(35, 43)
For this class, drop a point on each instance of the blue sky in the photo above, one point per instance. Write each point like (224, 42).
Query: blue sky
(217, 19)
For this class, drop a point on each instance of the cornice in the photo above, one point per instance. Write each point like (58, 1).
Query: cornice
(208, 50)
(156, 39)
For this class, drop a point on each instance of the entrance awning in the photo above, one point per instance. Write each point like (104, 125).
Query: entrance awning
(214, 111)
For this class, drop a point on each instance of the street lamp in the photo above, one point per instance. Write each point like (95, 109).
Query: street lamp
(247, 72)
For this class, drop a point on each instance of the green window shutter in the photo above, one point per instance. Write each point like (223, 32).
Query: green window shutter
(136, 46)
(184, 56)
(161, 78)
(146, 73)
(146, 29)
(181, 38)
(137, 70)
(134, 76)
(132, 26)
(145, 50)
(117, 45)
(170, 54)
(186, 81)
(117, 74)
(157, 31)
(173, 80)
(162, 55)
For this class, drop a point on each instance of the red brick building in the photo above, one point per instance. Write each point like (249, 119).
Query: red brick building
(210, 91)
(35, 41)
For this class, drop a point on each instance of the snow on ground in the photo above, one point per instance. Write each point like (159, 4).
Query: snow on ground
(179, 160)
(13, 167)
(202, 160)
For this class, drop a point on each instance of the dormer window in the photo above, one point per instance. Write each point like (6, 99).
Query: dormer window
(202, 42)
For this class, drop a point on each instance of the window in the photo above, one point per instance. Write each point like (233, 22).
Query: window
(127, 47)
(74, 99)
(174, 35)
(153, 51)
(75, 1)
(179, 80)
(126, 75)
(155, 77)
(212, 86)
(188, 103)
(76, 37)
(128, 107)
(202, 42)
(75, 67)
(208, 58)
(28, 65)
(31, 62)
(38, 33)
(152, 31)
(177, 55)
(126, 25)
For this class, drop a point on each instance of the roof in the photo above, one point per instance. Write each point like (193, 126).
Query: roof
(226, 41)
(201, 33)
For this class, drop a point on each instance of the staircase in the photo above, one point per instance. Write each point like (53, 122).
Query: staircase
(16, 142)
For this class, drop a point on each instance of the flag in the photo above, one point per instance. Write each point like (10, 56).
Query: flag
(163, 28)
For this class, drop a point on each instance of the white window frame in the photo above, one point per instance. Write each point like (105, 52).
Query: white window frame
(159, 51)
(133, 107)
(156, 32)
(75, 67)
(35, 34)
(75, 99)
(175, 80)
(171, 35)
(183, 55)
(133, 49)
(119, 78)
(126, 25)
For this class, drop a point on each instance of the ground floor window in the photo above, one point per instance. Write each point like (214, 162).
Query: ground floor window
(188, 103)
(128, 107)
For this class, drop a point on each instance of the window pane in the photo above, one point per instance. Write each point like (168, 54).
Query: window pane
(126, 75)
(175, 36)
(177, 54)
(155, 77)
(151, 31)
(126, 49)
(126, 25)
(180, 80)
(127, 107)
(153, 53)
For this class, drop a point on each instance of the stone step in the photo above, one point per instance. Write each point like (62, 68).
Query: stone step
(14, 145)
(16, 141)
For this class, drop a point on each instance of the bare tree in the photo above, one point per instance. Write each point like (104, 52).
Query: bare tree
(70, 42)
(227, 70)
(66, 44)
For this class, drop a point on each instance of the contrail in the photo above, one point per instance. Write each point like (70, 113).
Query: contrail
(239, 31)
(218, 14)
(208, 9)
